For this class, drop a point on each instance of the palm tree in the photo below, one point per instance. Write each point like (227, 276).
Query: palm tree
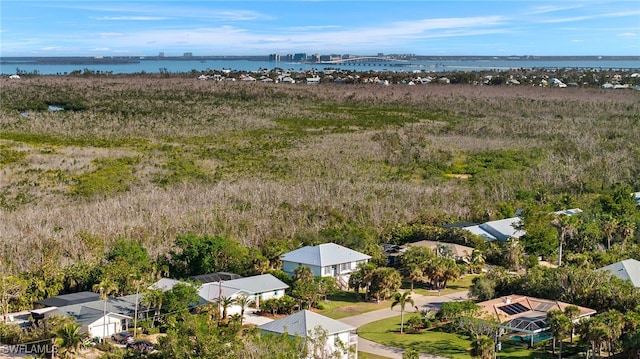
(614, 321)
(483, 347)
(244, 302)
(560, 325)
(402, 299)
(595, 332)
(225, 303)
(69, 337)
(573, 313)
(412, 273)
(627, 228)
(567, 226)
(476, 261)
(152, 298)
(609, 226)
(105, 287)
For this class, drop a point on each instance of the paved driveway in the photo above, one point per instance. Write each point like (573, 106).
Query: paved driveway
(421, 302)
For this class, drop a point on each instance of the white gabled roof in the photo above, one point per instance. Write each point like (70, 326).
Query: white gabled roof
(628, 269)
(165, 284)
(304, 322)
(249, 285)
(256, 284)
(480, 232)
(504, 228)
(324, 255)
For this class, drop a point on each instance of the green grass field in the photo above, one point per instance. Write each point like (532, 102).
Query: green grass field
(434, 341)
(344, 304)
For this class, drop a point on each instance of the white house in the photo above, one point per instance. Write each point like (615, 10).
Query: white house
(341, 338)
(324, 260)
(628, 269)
(502, 229)
(259, 288)
(99, 318)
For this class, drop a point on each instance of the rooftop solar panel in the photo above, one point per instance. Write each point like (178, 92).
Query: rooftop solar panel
(514, 308)
(544, 307)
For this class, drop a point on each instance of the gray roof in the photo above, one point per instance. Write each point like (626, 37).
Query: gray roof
(324, 255)
(89, 312)
(504, 229)
(214, 277)
(69, 299)
(304, 322)
(213, 291)
(256, 284)
(248, 285)
(165, 284)
(481, 232)
(628, 269)
(125, 305)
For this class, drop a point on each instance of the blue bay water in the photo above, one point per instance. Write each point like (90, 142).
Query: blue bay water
(185, 66)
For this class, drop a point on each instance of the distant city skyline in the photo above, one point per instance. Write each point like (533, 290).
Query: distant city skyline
(244, 28)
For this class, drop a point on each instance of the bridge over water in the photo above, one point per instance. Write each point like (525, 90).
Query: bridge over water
(368, 61)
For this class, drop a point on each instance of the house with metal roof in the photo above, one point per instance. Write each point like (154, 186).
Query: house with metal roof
(214, 277)
(324, 260)
(69, 299)
(98, 318)
(628, 269)
(341, 338)
(258, 288)
(501, 229)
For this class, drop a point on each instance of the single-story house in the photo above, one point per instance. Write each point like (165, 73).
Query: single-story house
(259, 288)
(520, 313)
(97, 318)
(324, 260)
(341, 337)
(628, 269)
(165, 284)
(214, 277)
(504, 229)
(394, 252)
(69, 299)
(458, 251)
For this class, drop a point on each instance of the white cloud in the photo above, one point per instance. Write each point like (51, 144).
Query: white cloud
(108, 35)
(592, 17)
(628, 34)
(131, 18)
(550, 9)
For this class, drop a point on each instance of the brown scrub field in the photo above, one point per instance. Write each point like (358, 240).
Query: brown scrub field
(147, 158)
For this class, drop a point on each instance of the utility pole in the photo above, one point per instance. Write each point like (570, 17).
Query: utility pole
(135, 318)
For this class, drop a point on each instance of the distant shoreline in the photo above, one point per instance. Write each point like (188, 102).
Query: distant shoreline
(86, 60)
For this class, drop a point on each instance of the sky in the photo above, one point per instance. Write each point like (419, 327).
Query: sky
(214, 28)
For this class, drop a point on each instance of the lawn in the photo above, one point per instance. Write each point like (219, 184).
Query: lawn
(387, 331)
(363, 355)
(344, 304)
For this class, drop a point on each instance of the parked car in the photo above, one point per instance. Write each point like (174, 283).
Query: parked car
(141, 346)
(123, 338)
